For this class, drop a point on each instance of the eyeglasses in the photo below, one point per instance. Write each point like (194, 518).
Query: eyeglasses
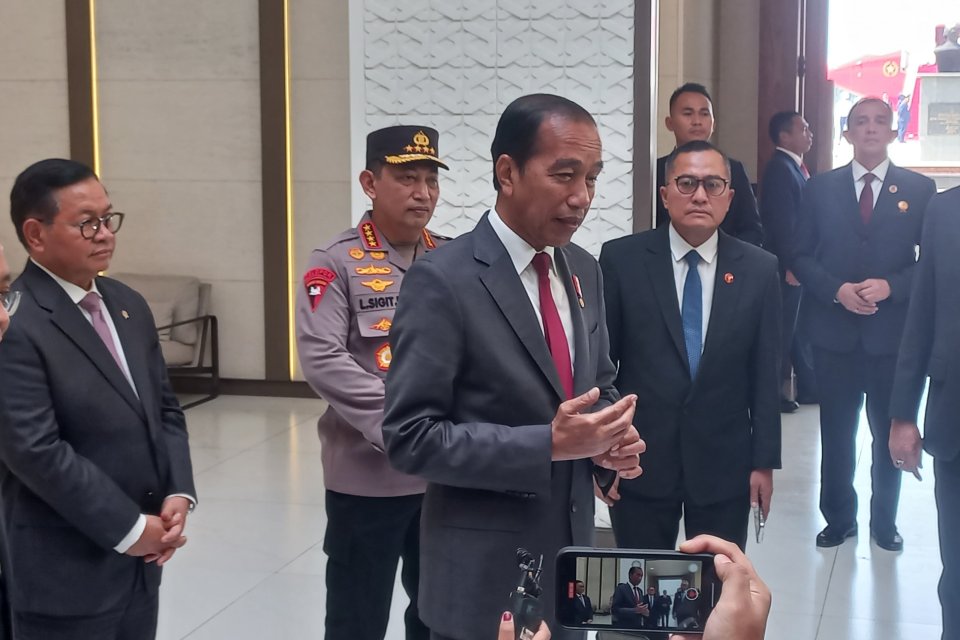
(10, 301)
(89, 228)
(712, 185)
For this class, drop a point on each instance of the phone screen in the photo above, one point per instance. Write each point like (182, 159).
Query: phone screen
(654, 592)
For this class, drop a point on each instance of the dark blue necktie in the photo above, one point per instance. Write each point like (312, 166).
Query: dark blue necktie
(692, 312)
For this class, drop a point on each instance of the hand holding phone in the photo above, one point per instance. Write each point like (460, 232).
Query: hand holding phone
(744, 604)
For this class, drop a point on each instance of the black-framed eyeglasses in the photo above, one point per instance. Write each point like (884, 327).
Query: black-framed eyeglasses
(10, 300)
(112, 221)
(712, 185)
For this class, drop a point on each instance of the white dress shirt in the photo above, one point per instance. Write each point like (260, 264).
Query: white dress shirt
(795, 157)
(707, 269)
(77, 294)
(521, 254)
(880, 173)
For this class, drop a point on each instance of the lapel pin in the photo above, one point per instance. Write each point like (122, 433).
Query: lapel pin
(126, 316)
(893, 188)
(728, 278)
(903, 205)
(576, 287)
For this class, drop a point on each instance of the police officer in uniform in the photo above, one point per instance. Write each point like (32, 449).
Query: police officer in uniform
(345, 308)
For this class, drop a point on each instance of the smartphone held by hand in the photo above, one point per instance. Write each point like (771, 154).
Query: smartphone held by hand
(657, 593)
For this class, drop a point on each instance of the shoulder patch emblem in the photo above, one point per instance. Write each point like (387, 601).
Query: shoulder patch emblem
(377, 284)
(384, 357)
(374, 270)
(384, 325)
(356, 253)
(316, 281)
(369, 234)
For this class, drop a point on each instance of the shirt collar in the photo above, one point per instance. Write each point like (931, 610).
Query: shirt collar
(680, 247)
(521, 253)
(880, 171)
(75, 293)
(796, 158)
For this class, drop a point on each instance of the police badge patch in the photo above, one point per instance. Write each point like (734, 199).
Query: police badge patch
(316, 281)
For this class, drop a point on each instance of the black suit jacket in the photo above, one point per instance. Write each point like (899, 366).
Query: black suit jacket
(931, 338)
(705, 436)
(623, 608)
(780, 195)
(743, 218)
(470, 396)
(833, 246)
(81, 456)
(581, 612)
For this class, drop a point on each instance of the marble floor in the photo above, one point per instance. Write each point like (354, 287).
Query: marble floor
(254, 565)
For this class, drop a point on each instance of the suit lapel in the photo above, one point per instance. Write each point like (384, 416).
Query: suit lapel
(69, 319)
(887, 200)
(581, 360)
(727, 285)
(659, 263)
(503, 284)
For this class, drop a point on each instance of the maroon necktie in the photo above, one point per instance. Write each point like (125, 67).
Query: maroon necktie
(91, 304)
(866, 199)
(804, 170)
(552, 327)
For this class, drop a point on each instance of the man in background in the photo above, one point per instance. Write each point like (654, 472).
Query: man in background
(345, 312)
(691, 118)
(855, 255)
(630, 608)
(780, 194)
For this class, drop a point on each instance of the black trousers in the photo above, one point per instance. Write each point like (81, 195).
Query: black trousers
(135, 620)
(796, 354)
(843, 379)
(947, 492)
(642, 523)
(366, 538)
(790, 298)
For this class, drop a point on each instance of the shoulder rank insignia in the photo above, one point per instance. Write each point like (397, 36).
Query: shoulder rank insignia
(378, 255)
(377, 284)
(384, 357)
(357, 253)
(373, 270)
(368, 233)
(428, 240)
(316, 282)
(384, 325)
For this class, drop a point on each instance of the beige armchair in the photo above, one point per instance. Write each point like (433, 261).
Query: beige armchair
(187, 331)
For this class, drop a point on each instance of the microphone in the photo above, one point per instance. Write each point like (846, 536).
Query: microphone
(524, 604)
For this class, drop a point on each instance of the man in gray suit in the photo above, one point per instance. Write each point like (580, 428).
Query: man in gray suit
(95, 469)
(501, 391)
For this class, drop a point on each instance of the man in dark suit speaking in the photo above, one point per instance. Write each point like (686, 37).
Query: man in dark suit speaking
(694, 321)
(630, 607)
(501, 392)
(929, 347)
(855, 255)
(96, 475)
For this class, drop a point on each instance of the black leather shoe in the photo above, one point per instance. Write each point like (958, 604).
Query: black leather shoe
(890, 543)
(833, 537)
(788, 406)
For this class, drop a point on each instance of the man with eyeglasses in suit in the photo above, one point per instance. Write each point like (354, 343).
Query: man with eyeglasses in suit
(694, 322)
